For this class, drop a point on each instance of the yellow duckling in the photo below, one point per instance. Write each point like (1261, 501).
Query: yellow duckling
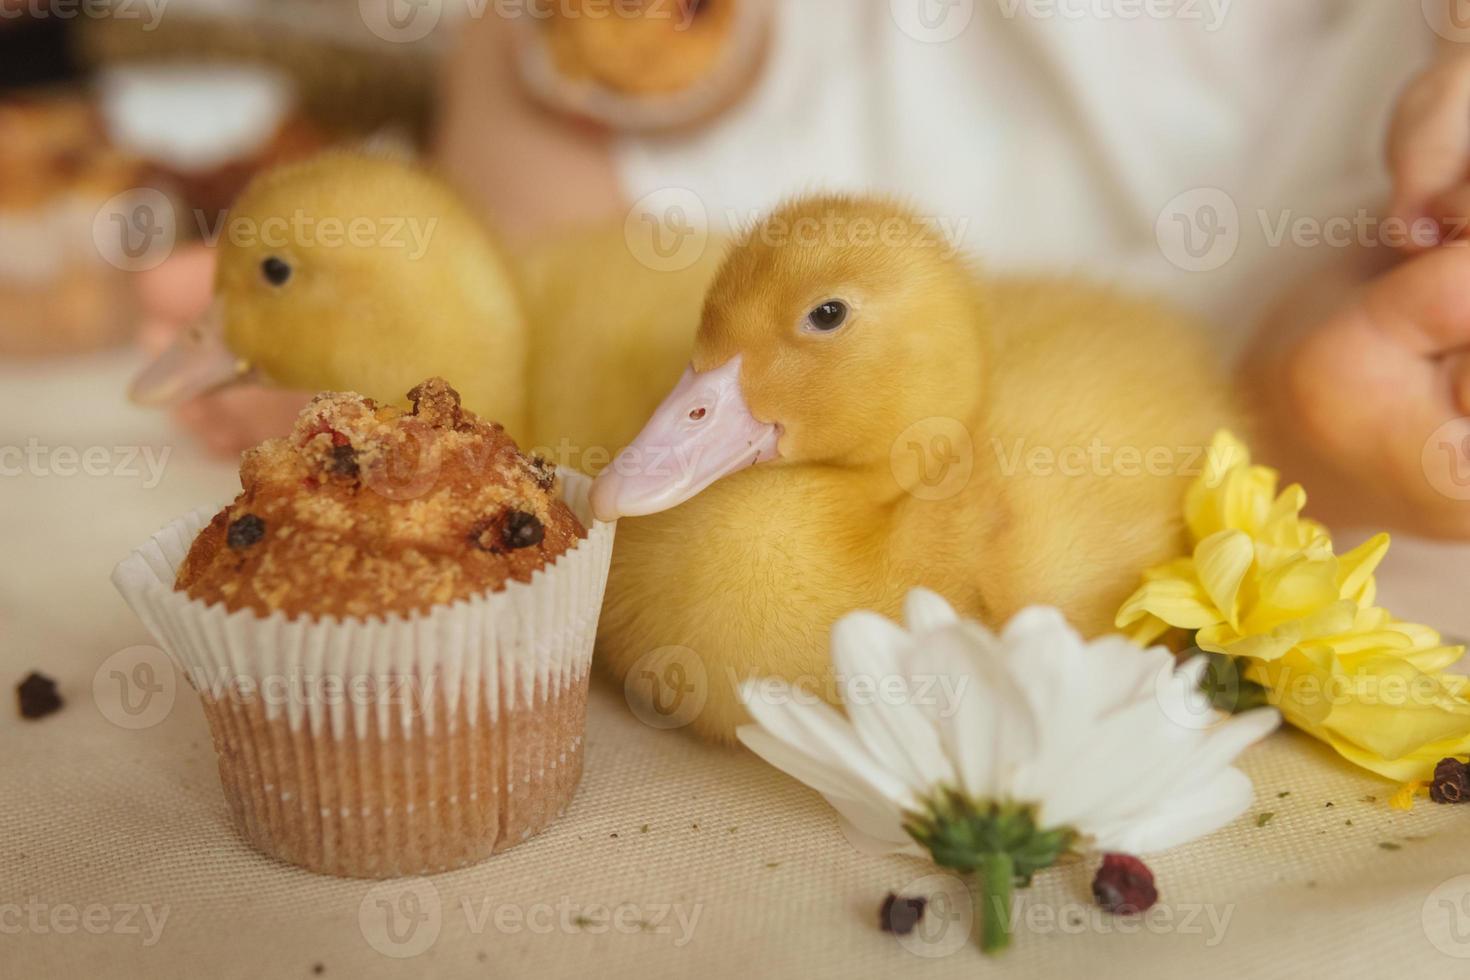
(367, 273)
(1004, 443)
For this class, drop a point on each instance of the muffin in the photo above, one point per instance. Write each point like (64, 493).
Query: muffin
(58, 295)
(644, 64)
(391, 630)
(205, 130)
(367, 510)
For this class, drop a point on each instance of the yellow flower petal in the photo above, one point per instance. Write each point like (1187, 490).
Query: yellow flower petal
(1178, 602)
(1404, 798)
(1264, 586)
(1221, 562)
(1357, 566)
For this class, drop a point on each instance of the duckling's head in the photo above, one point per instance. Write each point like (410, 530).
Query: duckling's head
(336, 273)
(835, 326)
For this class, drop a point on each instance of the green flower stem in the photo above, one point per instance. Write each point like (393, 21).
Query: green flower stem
(999, 843)
(997, 878)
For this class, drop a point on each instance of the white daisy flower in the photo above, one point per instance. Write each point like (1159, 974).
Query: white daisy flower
(997, 754)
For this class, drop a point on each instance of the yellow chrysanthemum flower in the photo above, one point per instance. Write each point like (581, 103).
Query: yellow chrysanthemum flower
(1263, 585)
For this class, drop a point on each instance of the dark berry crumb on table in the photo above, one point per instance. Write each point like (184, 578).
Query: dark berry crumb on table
(900, 915)
(1124, 885)
(38, 697)
(1451, 782)
(245, 532)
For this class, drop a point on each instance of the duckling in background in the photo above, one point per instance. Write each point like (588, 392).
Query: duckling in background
(609, 337)
(359, 272)
(865, 416)
(302, 305)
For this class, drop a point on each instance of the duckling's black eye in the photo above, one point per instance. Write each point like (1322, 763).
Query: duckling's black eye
(827, 317)
(277, 271)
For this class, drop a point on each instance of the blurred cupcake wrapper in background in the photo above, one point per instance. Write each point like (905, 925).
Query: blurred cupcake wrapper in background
(388, 747)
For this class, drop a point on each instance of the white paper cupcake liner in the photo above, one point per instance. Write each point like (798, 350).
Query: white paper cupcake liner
(644, 113)
(401, 745)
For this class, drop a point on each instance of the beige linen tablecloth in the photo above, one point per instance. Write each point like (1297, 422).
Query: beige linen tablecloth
(676, 859)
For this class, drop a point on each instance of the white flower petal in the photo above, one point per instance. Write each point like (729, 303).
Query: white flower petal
(831, 781)
(873, 830)
(985, 723)
(876, 846)
(883, 706)
(1101, 776)
(819, 732)
(1222, 745)
(1103, 737)
(924, 611)
(1181, 819)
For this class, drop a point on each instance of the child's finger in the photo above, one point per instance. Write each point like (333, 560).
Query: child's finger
(1423, 304)
(1452, 212)
(1429, 143)
(1458, 367)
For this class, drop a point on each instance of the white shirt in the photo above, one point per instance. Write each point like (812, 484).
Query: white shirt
(1073, 135)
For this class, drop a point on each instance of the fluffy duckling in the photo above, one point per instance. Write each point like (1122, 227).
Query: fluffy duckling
(863, 415)
(609, 337)
(367, 273)
(355, 272)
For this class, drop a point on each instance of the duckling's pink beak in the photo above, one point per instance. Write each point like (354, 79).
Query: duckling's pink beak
(195, 363)
(701, 433)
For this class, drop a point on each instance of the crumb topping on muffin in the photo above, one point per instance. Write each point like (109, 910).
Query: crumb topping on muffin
(368, 509)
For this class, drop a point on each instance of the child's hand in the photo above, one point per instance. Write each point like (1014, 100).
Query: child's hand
(232, 419)
(1362, 396)
(1429, 154)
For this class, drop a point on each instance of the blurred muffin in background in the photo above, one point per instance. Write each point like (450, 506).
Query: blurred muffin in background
(644, 64)
(206, 130)
(58, 292)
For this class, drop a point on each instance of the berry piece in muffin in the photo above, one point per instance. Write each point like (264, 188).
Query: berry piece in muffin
(369, 510)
